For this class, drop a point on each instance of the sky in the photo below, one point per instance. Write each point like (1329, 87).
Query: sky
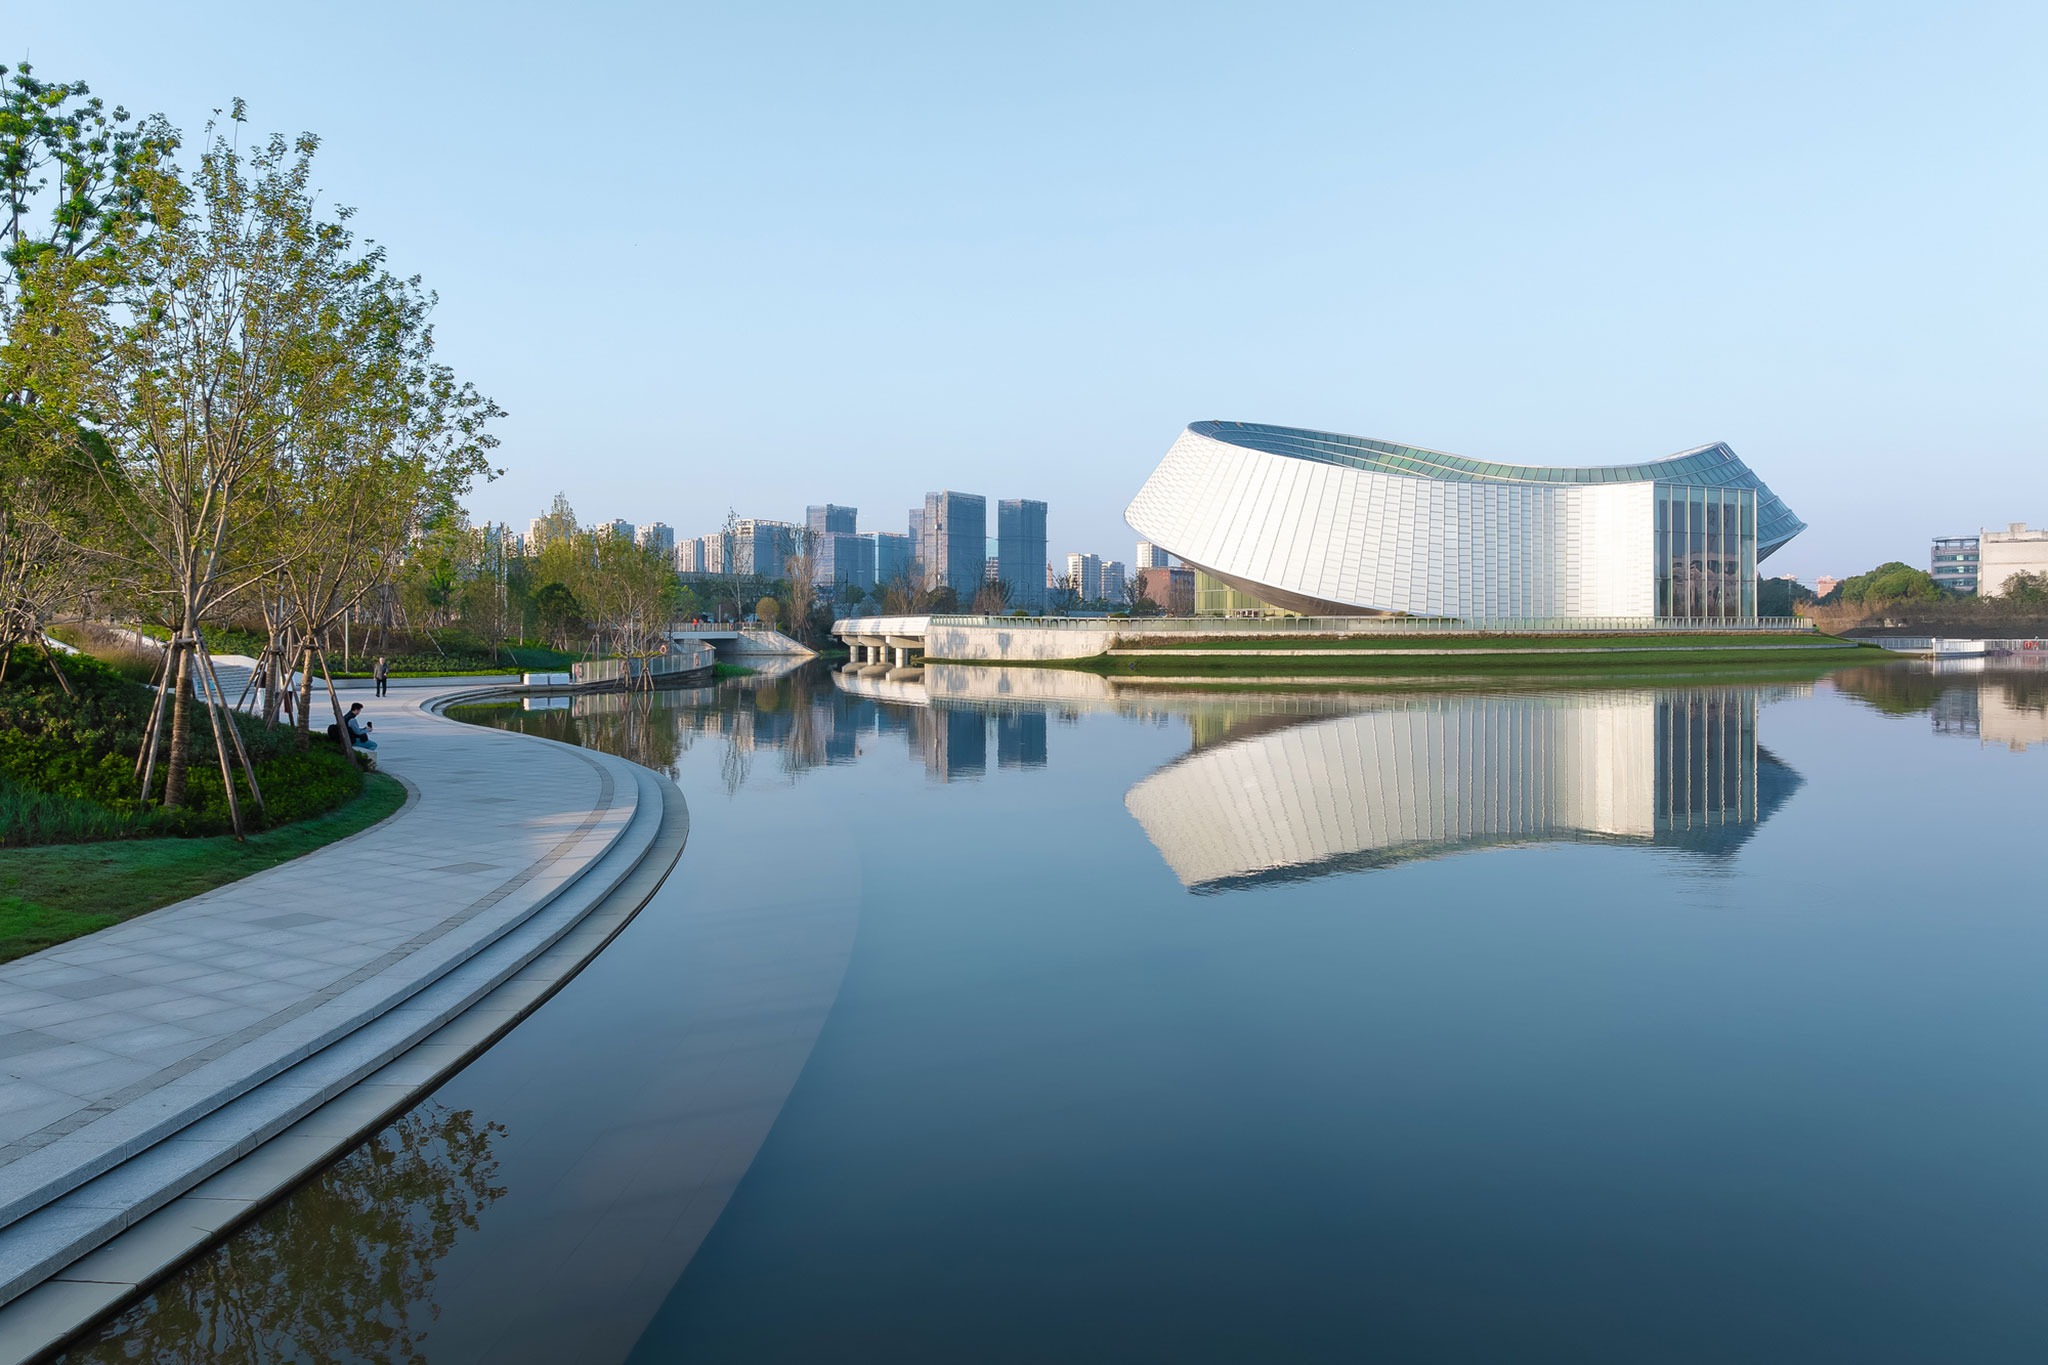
(761, 256)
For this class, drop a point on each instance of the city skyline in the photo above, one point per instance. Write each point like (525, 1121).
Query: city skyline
(870, 264)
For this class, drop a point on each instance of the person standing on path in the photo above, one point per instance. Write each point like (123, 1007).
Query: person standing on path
(382, 673)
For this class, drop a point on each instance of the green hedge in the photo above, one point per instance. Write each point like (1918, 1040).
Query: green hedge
(67, 762)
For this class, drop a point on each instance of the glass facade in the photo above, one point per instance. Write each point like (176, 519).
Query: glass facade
(1214, 597)
(1020, 551)
(1953, 563)
(1705, 554)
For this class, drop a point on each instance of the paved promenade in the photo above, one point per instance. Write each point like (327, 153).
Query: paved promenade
(138, 1061)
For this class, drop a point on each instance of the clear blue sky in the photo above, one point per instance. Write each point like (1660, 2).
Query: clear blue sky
(770, 255)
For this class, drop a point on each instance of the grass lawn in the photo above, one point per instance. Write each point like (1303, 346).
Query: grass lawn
(55, 892)
(1829, 654)
(1666, 671)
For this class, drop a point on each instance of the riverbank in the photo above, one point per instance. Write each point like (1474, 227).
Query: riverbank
(1440, 658)
(143, 1063)
(54, 893)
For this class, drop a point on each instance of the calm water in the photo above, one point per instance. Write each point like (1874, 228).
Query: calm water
(988, 1018)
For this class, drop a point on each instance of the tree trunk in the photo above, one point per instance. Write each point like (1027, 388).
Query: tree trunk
(181, 729)
(305, 692)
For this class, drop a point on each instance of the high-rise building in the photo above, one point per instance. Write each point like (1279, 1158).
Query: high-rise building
(1825, 584)
(917, 540)
(619, 527)
(831, 518)
(690, 556)
(1113, 580)
(764, 548)
(536, 535)
(1084, 576)
(955, 535)
(840, 557)
(658, 536)
(891, 554)
(1150, 556)
(1020, 551)
(1953, 563)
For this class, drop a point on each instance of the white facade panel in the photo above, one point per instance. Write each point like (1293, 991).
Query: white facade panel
(1391, 533)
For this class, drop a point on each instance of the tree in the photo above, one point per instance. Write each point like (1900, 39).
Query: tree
(559, 613)
(1890, 582)
(905, 594)
(992, 598)
(2025, 589)
(100, 160)
(183, 351)
(767, 610)
(803, 589)
(628, 594)
(103, 160)
(735, 582)
(1778, 596)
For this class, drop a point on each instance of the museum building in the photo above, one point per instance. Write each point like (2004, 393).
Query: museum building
(1330, 525)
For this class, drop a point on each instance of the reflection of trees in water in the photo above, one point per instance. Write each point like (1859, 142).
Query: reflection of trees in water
(1896, 689)
(1905, 688)
(342, 1269)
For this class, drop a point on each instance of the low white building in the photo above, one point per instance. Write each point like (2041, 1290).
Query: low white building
(2001, 554)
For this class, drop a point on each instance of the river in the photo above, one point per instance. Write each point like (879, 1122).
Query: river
(1001, 1016)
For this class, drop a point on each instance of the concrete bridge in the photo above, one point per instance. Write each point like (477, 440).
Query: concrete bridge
(728, 639)
(884, 639)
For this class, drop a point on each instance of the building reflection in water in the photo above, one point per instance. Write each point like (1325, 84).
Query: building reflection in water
(1276, 785)
(2000, 703)
(1427, 776)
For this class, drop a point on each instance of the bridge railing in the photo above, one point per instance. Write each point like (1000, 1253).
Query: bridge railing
(597, 672)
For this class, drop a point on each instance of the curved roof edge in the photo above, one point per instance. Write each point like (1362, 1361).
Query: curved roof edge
(1714, 465)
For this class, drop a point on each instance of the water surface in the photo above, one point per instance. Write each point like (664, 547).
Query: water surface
(995, 1015)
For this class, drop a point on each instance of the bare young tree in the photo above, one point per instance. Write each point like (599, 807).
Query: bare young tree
(992, 598)
(905, 594)
(802, 568)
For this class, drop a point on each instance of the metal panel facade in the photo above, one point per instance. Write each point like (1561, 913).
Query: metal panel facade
(1464, 540)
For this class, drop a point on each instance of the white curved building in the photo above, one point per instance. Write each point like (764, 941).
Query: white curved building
(1335, 525)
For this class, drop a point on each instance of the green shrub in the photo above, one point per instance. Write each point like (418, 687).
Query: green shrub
(67, 762)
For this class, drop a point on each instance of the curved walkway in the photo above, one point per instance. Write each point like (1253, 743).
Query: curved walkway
(138, 1062)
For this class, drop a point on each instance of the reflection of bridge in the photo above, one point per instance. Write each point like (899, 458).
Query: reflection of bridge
(1447, 774)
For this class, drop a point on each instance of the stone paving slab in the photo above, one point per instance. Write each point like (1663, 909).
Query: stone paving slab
(116, 1048)
(447, 1024)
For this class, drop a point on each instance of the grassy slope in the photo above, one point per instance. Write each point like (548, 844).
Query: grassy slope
(1490, 644)
(61, 891)
(1693, 656)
